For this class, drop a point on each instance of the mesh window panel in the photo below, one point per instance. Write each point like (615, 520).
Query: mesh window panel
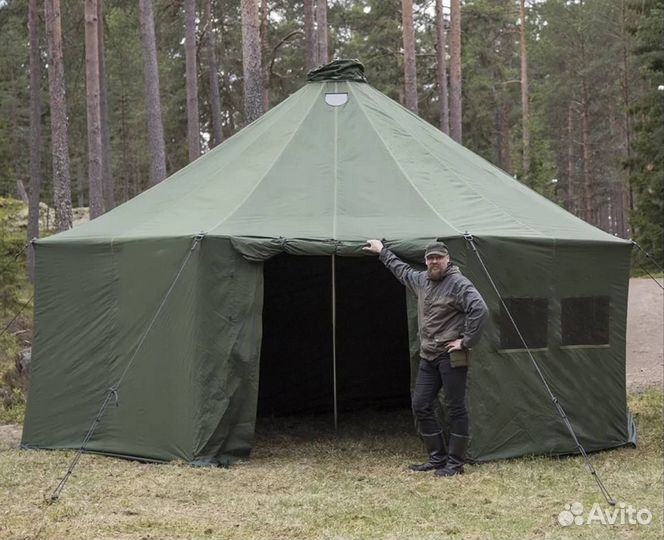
(531, 315)
(585, 321)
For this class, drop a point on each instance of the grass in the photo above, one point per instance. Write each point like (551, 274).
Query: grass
(303, 482)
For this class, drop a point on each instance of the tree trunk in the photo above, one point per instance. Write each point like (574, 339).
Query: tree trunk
(321, 24)
(35, 134)
(265, 51)
(58, 103)
(525, 164)
(455, 71)
(108, 186)
(587, 155)
(409, 67)
(215, 99)
(93, 109)
(570, 200)
(441, 70)
(310, 44)
(193, 125)
(505, 138)
(627, 191)
(251, 62)
(152, 100)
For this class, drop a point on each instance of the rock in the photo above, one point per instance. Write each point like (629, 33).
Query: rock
(25, 361)
(10, 436)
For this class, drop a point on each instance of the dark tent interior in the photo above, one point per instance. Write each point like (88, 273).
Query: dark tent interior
(296, 371)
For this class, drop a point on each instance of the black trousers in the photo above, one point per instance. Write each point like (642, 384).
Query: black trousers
(431, 377)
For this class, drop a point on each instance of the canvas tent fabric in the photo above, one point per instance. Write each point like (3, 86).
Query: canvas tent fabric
(334, 164)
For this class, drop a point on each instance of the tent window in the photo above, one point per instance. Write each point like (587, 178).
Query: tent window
(336, 100)
(585, 321)
(531, 316)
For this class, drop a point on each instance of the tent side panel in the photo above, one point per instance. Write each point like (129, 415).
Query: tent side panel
(106, 319)
(511, 412)
(156, 334)
(73, 342)
(230, 293)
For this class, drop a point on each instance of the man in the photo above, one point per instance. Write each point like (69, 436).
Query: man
(450, 316)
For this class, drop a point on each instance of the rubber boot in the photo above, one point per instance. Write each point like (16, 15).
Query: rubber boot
(435, 446)
(455, 460)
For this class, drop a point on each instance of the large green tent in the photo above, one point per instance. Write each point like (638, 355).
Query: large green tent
(174, 329)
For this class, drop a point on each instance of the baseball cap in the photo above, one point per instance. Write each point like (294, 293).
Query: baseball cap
(436, 248)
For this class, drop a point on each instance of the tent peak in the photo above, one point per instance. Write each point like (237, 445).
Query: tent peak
(338, 70)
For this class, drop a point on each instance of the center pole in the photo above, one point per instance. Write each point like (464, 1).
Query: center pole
(334, 342)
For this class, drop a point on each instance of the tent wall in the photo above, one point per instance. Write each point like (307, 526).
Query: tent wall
(510, 410)
(187, 391)
(94, 308)
(230, 292)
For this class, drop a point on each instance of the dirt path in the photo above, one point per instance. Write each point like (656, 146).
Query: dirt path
(645, 341)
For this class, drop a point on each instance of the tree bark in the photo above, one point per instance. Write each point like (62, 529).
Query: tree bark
(505, 138)
(525, 135)
(35, 135)
(627, 191)
(570, 200)
(265, 51)
(108, 186)
(251, 62)
(310, 44)
(455, 71)
(193, 125)
(409, 66)
(321, 24)
(441, 70)
(213, 78)
(152, 100)
(96, 202)
(58, 104)
(587, 155)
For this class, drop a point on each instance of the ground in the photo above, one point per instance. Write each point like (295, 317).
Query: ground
(645, 341)
(645, 365)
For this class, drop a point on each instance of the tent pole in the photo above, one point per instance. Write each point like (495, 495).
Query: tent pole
(334, 343)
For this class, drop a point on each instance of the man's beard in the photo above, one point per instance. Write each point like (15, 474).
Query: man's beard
(436, 274)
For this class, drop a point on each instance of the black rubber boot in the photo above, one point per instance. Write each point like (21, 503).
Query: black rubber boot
(435, 446)
(455, 460)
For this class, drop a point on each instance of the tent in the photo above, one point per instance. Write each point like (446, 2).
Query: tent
(248, 261)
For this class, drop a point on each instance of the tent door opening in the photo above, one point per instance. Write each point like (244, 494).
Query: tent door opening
(372, 357)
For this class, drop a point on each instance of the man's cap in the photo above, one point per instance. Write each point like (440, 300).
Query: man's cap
(436, 248)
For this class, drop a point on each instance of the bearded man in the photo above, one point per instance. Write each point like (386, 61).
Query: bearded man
(450, 317)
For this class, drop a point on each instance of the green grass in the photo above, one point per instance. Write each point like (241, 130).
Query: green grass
(305, 482)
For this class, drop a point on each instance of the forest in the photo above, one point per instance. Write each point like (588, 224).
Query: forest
(99, 100)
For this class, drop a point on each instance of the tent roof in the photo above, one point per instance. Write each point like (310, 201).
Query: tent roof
(366, 169)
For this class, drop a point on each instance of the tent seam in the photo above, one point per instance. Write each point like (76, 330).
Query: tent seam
(277, 158)
(467, 184)
(336, 167)
(389, 150)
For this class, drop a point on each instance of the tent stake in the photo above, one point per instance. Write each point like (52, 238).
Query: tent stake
(334, 343)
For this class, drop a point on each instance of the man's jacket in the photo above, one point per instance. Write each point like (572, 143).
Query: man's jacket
(447, 309)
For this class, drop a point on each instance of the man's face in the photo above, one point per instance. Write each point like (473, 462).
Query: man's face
(436, 266)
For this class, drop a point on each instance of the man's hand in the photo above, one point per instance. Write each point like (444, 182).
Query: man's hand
(456, 345)
(375, 246)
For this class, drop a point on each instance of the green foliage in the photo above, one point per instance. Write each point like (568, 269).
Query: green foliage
(572, 46)
(14, 293)
(646, 165)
